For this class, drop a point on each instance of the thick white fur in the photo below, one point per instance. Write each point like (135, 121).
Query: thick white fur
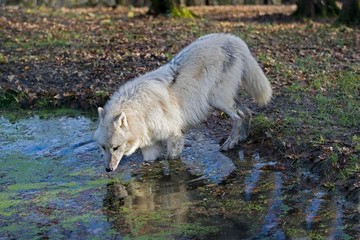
(161, 104)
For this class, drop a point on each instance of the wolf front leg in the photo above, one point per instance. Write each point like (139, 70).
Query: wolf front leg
(175, 145)
(152, 152)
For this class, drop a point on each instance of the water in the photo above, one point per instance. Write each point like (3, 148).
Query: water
(53, 185)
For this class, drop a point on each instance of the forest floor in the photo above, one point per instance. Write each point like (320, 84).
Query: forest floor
(77, 57)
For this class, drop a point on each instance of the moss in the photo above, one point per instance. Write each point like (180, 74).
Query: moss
(182, 12)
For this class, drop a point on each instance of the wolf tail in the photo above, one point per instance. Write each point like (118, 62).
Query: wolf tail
(255, 81)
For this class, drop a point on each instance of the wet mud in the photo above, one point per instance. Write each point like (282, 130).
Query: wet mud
(53, 185)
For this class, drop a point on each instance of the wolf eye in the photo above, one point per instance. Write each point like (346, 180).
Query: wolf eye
(103, 147)
(115, 148)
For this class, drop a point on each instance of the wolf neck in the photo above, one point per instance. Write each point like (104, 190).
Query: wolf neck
(137, 127)
(135, 123)
(147, 104)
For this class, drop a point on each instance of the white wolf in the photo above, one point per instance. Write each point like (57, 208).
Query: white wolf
(153, 110)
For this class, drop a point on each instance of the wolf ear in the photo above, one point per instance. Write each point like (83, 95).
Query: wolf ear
(101, 112)
(121, 121)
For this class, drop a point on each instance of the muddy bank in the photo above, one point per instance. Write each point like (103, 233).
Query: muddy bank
(53, 185)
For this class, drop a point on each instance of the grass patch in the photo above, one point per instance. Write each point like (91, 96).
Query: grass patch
(262, 122)
(261, 125)
(325, 111)
(17, 113)
(331, 100)
(339, 103)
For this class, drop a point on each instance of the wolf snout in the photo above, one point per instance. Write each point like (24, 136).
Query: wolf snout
(109, 169)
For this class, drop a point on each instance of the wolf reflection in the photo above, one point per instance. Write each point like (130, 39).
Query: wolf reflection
(167, 194)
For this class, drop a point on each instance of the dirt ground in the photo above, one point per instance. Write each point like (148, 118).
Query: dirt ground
(77, 57)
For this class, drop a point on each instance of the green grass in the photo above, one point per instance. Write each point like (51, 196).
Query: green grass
(326, 103)
(339, 104)
(261, 124)
(333, 100)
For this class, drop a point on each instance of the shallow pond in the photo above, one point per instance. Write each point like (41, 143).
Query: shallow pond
(54, 185)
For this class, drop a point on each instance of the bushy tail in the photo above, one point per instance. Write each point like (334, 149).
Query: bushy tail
(255, 81)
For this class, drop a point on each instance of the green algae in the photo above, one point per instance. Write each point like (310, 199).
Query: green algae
(27, 186)
(41, 188)
(83, 172)
(25, 169)
(8, 204)
(197, 229)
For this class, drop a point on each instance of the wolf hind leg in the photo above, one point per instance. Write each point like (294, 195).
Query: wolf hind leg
(175, 145)
(246, 121)
(234, 136)
(152, 152)
(240, 117)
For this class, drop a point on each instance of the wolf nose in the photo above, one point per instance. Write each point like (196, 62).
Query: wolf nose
(108, 169)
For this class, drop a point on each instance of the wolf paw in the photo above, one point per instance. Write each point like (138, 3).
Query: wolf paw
(172, 156)
(151, 153)
(175, 145)
(230, 143)
(244, 133)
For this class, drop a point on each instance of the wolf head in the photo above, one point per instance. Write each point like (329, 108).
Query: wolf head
(114, 138)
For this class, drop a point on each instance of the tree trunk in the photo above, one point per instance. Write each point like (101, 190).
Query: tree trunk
(158, 7)
(316, 8)
(169, 7)
(350, 12)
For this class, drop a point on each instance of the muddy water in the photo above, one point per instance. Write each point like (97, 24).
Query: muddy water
(53, 185)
